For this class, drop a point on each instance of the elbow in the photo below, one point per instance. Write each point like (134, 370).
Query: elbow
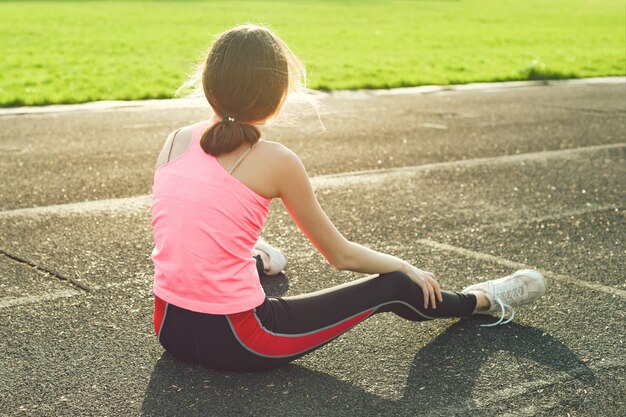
(338, 264)
(342, 261)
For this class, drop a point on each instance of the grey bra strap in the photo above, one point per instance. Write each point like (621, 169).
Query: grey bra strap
(230, 171)
(172, 145)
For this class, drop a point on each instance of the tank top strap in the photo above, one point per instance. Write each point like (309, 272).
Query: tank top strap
(234, 166)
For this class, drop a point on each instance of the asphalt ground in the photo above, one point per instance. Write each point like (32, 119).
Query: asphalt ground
(469, 184)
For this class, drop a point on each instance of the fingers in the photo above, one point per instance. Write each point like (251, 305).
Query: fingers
(434, 291)
(437, 289)
(429, 294)
(426, 289)
(430, 288)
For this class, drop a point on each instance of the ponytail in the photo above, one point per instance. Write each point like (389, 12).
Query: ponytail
(226, 136)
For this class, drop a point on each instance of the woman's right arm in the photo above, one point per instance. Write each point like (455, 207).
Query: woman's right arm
(297, 195)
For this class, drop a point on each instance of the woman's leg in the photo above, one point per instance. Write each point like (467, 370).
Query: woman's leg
(391, 292)
(285, 328)
(260, 264)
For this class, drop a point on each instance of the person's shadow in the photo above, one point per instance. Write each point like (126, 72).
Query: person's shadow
(441, 380)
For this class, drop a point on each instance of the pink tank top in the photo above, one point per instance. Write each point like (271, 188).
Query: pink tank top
(205, 224)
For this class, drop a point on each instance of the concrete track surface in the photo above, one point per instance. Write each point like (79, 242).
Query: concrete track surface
(470, 184)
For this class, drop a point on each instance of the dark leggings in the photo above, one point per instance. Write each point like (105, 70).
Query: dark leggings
(286, 328)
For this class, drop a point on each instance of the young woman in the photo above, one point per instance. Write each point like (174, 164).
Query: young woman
(212, 188)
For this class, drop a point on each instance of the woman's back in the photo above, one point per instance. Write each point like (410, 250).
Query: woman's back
(205, 224)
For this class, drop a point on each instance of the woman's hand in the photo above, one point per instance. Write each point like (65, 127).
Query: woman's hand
(426, 281)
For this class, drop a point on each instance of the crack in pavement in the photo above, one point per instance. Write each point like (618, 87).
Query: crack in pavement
(45, 270)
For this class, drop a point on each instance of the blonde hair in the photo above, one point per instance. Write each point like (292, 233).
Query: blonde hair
(247, 75)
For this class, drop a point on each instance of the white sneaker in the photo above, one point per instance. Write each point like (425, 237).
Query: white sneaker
(521, 287)
(278, 259)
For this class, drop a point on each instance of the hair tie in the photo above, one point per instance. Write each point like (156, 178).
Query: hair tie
(228, 119)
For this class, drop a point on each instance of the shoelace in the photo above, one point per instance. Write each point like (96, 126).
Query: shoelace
(503, 307)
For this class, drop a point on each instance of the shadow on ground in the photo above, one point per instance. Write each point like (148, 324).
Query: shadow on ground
(275, 285)
(443, 378)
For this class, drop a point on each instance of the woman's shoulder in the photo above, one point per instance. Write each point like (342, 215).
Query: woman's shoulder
(274, 164)
(175, 144)
(278, 151)
(281, 159)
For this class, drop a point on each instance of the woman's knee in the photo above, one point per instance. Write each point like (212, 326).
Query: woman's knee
(403, 286)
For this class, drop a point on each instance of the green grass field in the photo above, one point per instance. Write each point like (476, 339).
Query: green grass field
(77, 51)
